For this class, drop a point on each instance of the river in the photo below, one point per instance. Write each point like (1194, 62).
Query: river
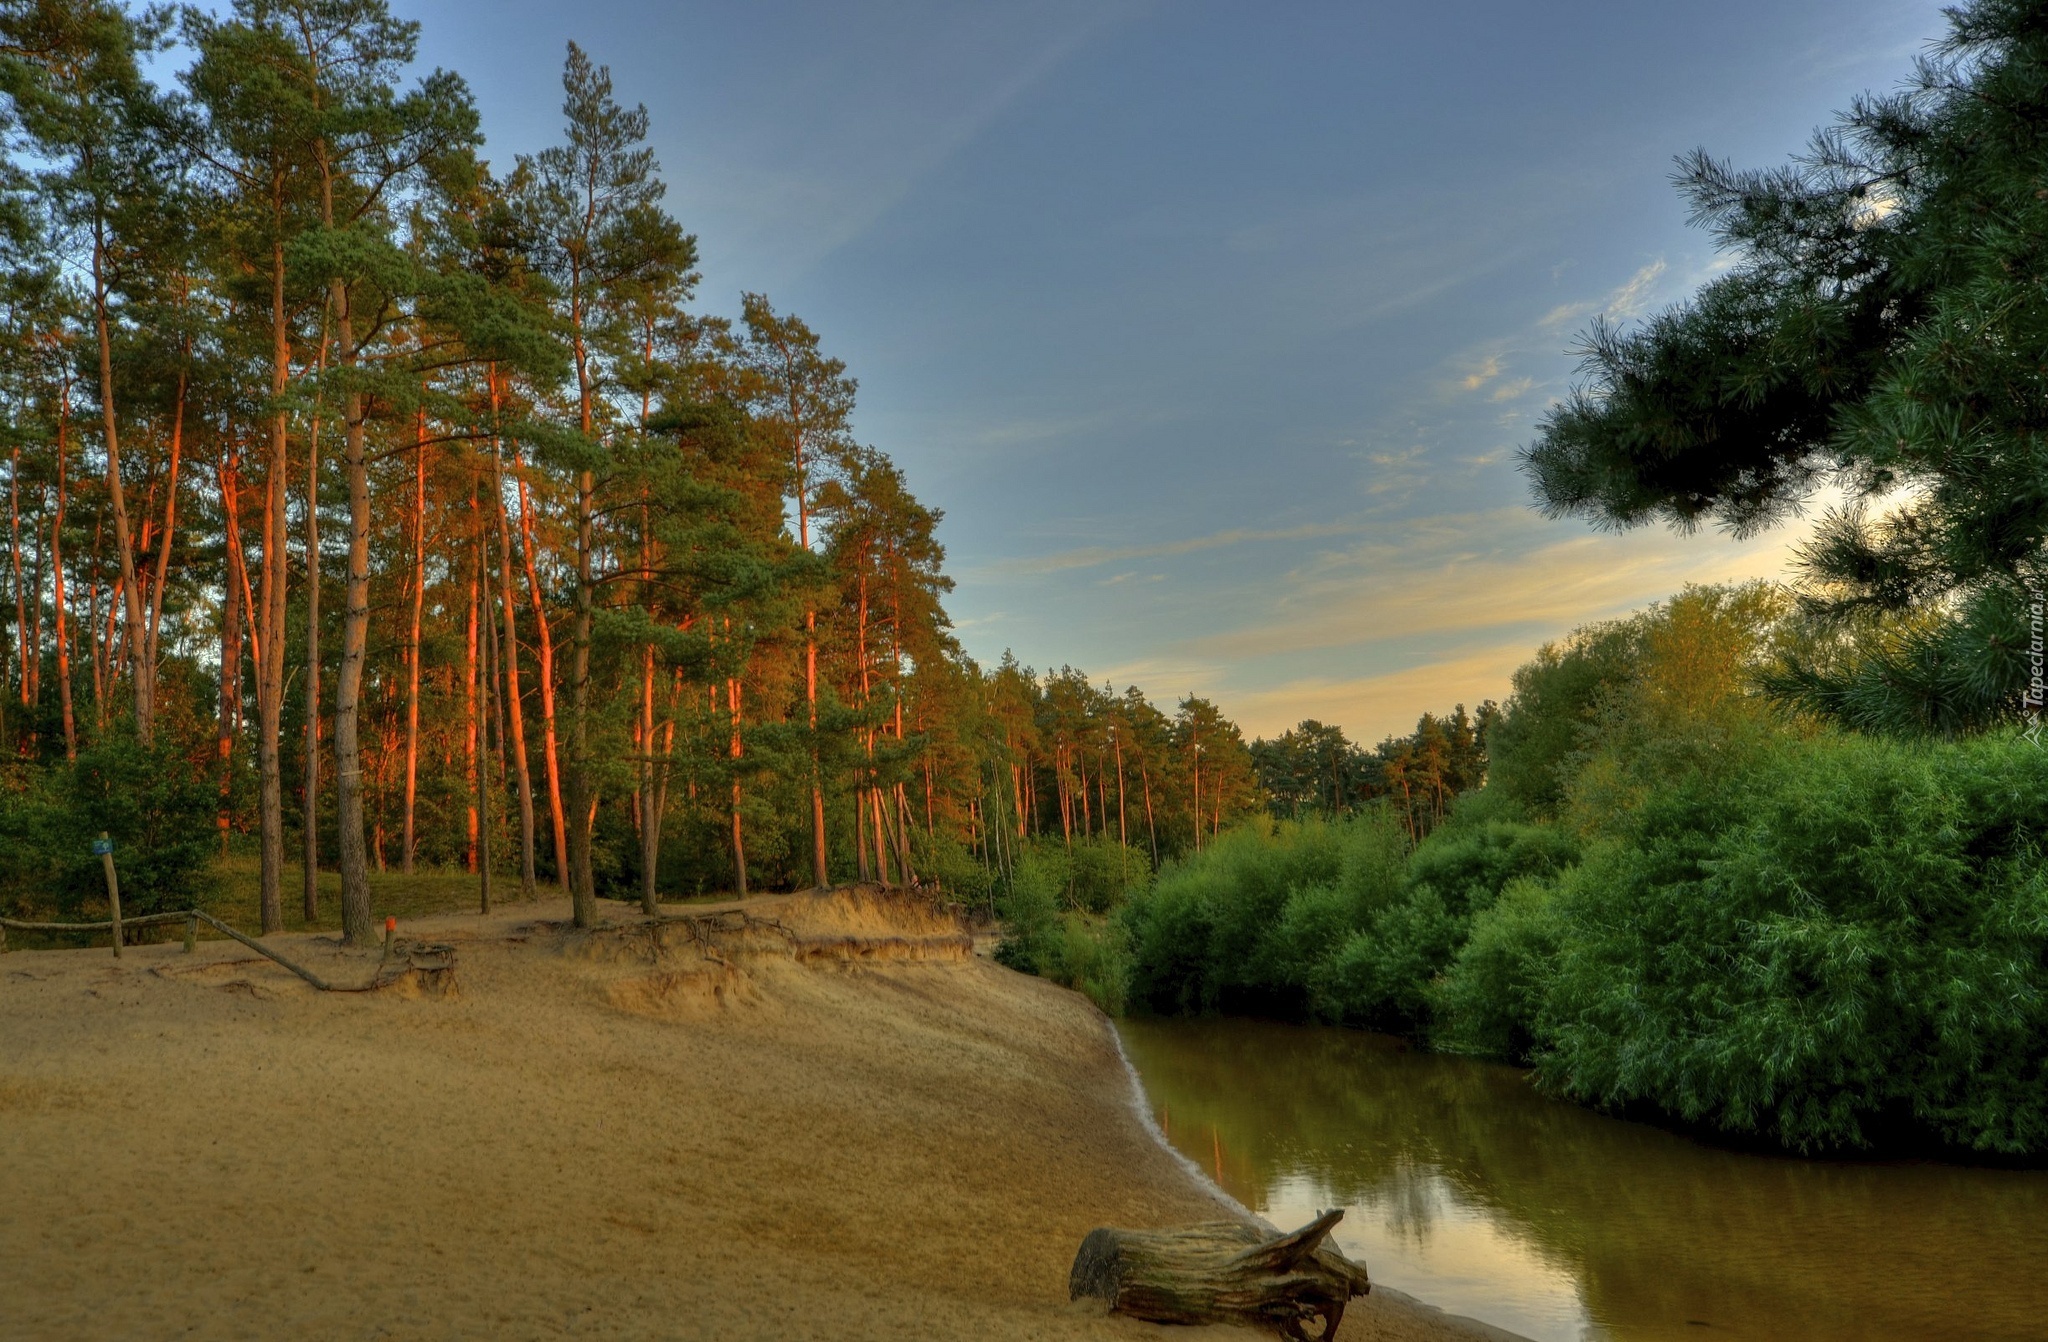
(1465, 1187)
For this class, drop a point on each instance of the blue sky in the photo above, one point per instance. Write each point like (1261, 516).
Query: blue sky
(1213, 329)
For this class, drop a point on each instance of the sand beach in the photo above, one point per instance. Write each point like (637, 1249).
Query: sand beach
(830, 1120)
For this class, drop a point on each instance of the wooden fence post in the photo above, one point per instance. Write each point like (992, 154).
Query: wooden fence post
(105, 848)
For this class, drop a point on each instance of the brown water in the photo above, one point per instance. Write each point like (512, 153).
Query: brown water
(1468, 1189)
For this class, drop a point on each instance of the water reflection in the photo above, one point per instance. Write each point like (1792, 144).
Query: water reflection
(1470, 1190)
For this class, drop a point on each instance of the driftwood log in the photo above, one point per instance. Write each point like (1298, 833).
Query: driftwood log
(1222, 1272)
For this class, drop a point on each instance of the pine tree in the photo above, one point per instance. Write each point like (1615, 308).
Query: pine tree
(593, 205)
(1881, 328)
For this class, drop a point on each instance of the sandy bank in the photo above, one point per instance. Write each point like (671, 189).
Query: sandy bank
(842, 1125)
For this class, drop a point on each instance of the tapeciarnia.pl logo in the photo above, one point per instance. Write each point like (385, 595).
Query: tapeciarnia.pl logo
(2036, 697)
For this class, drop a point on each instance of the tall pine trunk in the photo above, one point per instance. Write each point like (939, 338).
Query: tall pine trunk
(550, 756)
(645, 819)
(582, 801)
(57, 578)
(144, 674)
(513, 699)
(739, 843)
(355, 634)
(1145, 775)
(95, 646)
(310, 860)
(481, 588)
(582, 888)
(270, 672)
(155, 613)
(230, 681)
(154, 600)
(472, 725)
(412, 642)
(35, 641)
(650, 815)
(27, 657)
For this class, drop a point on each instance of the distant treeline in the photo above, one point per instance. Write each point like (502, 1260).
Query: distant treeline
(1314, 770)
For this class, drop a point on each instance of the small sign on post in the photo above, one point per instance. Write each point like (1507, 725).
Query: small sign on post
(103, 846)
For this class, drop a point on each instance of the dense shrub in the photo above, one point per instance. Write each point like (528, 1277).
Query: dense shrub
(1471, 860)
(1542, 729)
(1852, 946)
(1030, 910)
(1616, 709)
(1103, 874)
(1487, 999)
(1239, 926)
(158, 810)
(952, 868)
(1330, 921)
(1380, 974)
(1044, 935)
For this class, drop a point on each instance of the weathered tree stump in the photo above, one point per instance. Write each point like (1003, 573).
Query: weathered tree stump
(1222, 1272)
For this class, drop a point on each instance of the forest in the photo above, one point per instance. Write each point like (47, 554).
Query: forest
(374, 508)
(376, 511)
(1761, 861)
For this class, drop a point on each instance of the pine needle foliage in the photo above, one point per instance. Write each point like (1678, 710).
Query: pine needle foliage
(1884, 328)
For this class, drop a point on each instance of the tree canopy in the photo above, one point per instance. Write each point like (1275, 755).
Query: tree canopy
(392, 509)
(1881, 328)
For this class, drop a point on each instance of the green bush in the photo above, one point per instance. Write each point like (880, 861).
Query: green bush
(1067, 946)
(944, 861)
(1094, 958)
(1469, 862)
(1030, 910)
(1380, 975)
(1850, 947)
(1733, 920)
(1104, 874)
(1532, 749)
(156, 807)
(1241, 925)
(1487, 999)
(1379, 970)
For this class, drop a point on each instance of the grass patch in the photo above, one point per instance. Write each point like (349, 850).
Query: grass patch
(234, 894)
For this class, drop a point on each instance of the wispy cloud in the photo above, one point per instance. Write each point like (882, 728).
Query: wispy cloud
(1623, 303)
(964, 128)
(1481, 375)
(1454, 577)
(1090, 556)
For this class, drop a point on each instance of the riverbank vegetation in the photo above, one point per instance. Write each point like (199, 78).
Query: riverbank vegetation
(1677, 897)
(1674, 896)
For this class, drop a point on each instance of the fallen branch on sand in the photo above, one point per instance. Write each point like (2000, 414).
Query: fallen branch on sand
(1222, 1272)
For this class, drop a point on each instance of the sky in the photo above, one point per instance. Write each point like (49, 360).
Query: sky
(1214, 329)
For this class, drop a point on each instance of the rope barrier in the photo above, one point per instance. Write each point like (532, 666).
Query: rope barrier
(427, 957)
(146, 920)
